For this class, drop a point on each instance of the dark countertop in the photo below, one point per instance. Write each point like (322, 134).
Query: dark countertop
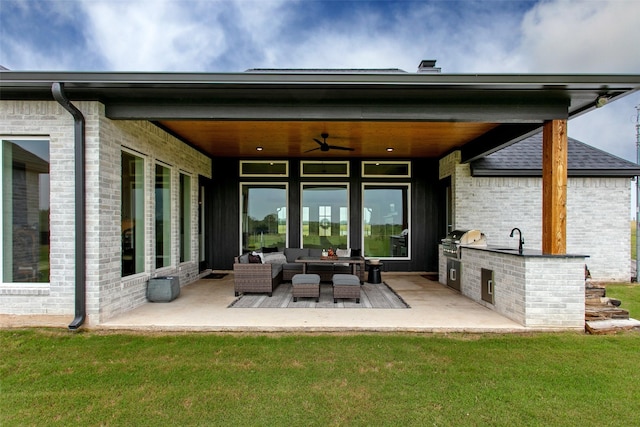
(525, 253)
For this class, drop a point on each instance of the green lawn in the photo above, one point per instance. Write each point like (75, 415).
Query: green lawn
(629, 294)
(54, 377)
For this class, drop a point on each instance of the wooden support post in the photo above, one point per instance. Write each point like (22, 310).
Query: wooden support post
(554, 187)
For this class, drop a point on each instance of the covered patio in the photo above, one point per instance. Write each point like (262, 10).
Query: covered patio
(203, 306)
(183, 159)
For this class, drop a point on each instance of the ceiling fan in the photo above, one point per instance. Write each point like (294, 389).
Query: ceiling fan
(326, 147)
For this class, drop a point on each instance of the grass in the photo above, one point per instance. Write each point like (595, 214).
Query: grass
(629, 294)
(52, 377)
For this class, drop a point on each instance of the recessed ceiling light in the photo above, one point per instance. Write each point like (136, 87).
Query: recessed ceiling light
(259, 148)
(389, 149)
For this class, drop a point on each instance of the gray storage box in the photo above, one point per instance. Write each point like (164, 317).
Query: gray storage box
(163, 289)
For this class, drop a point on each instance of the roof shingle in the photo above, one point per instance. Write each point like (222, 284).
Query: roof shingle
(524, 158)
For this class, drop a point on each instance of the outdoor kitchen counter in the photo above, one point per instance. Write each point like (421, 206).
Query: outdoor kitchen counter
(525, 253)
(532, 288)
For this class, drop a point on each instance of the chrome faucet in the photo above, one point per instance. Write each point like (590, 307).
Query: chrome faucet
(521, 241)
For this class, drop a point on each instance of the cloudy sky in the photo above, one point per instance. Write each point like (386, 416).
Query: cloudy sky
(548, 36)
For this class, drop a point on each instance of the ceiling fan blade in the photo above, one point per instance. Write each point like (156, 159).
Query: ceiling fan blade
(337, 147)
(313, 149)
(321, 143)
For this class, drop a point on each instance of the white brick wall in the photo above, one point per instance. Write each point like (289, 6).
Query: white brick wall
(533, 291)
(107, 293)
(598, 216)
(50, 121)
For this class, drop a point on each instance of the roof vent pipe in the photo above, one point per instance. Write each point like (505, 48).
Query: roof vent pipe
(57, 89)
(428, 66)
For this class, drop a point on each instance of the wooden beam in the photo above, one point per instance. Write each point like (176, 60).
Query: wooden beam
(554, 187)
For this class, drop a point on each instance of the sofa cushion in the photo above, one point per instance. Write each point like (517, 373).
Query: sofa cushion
(244, 258)
(292, 266)
(275, 270)
(269, 250)
(345, 280)
(315, 252)
(275, 258)
(293, 253)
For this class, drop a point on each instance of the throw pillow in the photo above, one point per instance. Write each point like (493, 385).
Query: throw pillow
(275, 258)
(343, 252)
(260, 254)
(255, 259)
(244, 258)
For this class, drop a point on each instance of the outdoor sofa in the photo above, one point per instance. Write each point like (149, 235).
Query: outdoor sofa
(282, 266)
(326, 271)
(255, 277)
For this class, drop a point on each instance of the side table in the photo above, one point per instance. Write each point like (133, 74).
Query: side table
(374, 273)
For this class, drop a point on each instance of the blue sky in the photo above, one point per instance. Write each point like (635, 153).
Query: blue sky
(550, 36)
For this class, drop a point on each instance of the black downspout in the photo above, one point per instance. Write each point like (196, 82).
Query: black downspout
(81, 307)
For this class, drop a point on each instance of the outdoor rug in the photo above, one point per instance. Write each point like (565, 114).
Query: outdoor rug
(371, 296)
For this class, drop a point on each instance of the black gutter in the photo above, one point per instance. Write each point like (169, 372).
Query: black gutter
(57, 89)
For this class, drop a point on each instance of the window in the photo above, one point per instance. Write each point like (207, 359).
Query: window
(325, 213)
(132, 214)
(201, 224)
(386, 169)
(264, 168)
(386, 220)
(163, 216)
(185, 218)
(264, 216)
(25, 211)
(324, 169)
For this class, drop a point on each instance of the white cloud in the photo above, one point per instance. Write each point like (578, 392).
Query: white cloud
(583, 36)
(560, 36)
(155, 35)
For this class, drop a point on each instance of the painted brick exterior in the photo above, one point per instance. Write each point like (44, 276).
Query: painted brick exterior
(533, 291)
(598, 214)
(107, 293)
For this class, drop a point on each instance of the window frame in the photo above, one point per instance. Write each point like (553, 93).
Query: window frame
(241, 206)
(386, 162)
(325, 162)
(186, 238)
(268, 175)
(409, 208)
(168, 208)
(143, 215)
(30, 287)
(347, 187)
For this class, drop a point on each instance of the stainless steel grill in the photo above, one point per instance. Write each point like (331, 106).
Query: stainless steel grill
(457, 238)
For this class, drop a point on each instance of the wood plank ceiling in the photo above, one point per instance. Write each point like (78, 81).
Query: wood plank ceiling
(292, 139)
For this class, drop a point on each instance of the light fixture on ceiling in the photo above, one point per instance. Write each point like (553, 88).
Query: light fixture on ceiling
(258, 148)
(390, 149)
(601, 101)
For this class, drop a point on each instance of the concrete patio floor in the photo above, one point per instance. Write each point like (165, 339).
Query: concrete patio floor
(202, 306)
